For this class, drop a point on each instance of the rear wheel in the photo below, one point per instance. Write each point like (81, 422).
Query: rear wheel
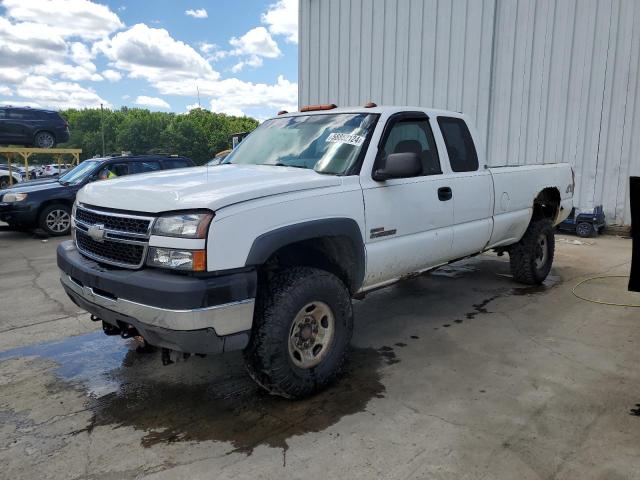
(56, 219)
(4, 182)
(302, 328)
(584, 229)
(45, 140)
(531, 258)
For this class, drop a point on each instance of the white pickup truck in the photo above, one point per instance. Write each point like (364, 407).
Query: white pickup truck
(266, 251)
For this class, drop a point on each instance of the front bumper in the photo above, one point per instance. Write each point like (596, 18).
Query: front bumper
(19, 213)
(189, 314)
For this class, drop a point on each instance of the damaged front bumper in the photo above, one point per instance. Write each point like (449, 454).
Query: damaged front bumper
(204, 315)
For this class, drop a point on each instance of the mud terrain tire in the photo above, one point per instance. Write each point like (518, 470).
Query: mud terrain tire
(531, 258)
(280, 313)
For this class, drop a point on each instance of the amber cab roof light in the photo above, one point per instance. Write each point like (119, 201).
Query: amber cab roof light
(323, 106)
(370, 105)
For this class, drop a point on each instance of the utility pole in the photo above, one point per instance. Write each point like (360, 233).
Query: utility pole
(198, 90)
(102, 127)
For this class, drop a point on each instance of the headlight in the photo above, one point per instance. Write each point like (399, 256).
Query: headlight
(188, 260)
(185, 225)
(13, 197)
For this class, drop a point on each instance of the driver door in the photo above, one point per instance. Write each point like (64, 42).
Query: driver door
(408, 220)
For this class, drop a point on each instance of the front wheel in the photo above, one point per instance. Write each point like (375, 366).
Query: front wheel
(584, 229)
(302, 328)
(4, 182)
(531, 258)
(56, 220)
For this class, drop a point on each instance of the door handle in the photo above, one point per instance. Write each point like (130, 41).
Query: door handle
(444, 194)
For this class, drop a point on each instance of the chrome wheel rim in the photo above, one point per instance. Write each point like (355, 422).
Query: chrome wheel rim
(58, 220)
(45, 140)
(311, 335)
(542, 251)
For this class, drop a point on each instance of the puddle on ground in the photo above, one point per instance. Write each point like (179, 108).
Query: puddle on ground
(125, 389)
(550, 282)
(481, 307)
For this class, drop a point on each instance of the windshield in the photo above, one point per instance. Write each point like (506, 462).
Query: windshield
(327, 143)
(79, 173)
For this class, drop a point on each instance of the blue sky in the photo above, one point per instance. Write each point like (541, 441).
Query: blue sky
(241, 55)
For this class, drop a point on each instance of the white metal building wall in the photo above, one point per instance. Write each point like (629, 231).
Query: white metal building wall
(545, 80)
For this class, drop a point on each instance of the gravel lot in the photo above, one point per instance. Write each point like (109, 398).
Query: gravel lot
(457, 375)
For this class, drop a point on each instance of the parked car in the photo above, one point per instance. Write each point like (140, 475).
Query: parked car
(32, 127)
(34, 170)
(47, 203)
(53, 169)
(219, 158)
(584, 223)
(265, 252)
(4, 176)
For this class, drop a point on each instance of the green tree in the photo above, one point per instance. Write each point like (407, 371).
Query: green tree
(199, 134)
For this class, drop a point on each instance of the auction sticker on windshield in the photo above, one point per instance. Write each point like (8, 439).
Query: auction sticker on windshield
(356, 140)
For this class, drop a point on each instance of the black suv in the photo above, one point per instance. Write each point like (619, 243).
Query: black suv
(32, 127)
(47, 203)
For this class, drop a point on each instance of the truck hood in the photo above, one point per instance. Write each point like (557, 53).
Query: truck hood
(201, 187)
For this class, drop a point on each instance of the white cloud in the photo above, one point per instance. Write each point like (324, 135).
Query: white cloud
(199, 13)
(28, 44)
(6, 91)
(152, 53)
(42, 91)
(254, 62)
(282, 19)
(112, 75)
(12, 75)
(256, 42)
(80, 53)
(76, 73)
(212, 51)
(232, 93)
(79, 18)
(151, 102)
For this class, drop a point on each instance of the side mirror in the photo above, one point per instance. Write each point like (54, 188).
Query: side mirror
(399, 165)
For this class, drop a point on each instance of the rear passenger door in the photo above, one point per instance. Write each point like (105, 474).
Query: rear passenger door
(471, 188)
(172, 163)
(408, 220)
(144, 167)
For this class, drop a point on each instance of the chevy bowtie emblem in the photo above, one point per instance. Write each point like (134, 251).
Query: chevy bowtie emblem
(96, 232)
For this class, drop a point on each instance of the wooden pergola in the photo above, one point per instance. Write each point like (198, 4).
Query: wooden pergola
(58, 153)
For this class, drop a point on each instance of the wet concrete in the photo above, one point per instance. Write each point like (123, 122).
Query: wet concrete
(229, 408)
(524, 382)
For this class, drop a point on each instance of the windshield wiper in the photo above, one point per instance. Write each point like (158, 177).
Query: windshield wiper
(284, 165)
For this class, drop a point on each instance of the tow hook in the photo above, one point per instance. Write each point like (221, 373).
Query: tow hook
(127, 331)
(109, 329)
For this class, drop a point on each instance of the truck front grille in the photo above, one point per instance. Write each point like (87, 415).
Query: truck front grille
(112, 238)
(117, 253)
(123, 224)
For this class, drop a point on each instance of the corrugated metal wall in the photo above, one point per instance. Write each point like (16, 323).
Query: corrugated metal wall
(545, 80)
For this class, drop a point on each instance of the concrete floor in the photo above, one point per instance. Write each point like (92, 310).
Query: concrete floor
(460, 375)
